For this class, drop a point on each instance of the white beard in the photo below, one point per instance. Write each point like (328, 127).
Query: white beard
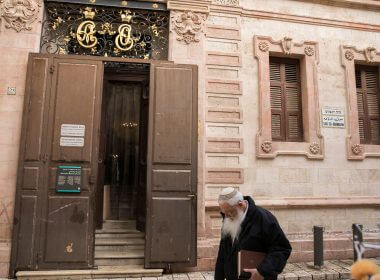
(232, 227)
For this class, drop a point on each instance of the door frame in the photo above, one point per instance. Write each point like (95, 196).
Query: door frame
(140, 77)
(22, 150)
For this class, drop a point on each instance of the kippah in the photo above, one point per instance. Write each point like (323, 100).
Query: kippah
(227, 193)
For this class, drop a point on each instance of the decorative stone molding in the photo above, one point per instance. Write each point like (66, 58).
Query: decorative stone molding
(370, 54)
(309, 51)
(356, 149)
(350, 56)
(314, 148)
(188, 25)
(313, 145)
(233, 3)
(266, 146)
(19, 14)
(263, 46)
(286, 44)
(196, 6)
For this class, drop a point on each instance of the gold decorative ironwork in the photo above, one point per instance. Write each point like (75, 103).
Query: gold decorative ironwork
(85, 34)
(155, 6)
(154, 30)
(88, 13)
(124, 3)
(126, 16)
(56, 23)
(107, 29)
(124, 41)
(85, 30)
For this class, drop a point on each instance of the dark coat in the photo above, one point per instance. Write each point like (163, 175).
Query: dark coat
(261, 232)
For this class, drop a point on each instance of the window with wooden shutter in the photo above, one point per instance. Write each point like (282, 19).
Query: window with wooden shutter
(285, 97)
(368, 102)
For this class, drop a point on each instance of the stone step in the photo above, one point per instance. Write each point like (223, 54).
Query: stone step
(103, 272)
(119, 258)
(119, 248)
(119, 224)
(119, 233)
(119, 245)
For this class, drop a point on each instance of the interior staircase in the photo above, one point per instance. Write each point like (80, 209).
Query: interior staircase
(119, 252)
(119, 243)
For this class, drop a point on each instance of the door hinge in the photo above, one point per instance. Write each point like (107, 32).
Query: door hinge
(52, 69)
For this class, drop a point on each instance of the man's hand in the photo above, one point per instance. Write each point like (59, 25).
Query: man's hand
(255, 275)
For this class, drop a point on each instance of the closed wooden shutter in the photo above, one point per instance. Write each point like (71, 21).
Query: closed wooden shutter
(285, 96)
(367, 89)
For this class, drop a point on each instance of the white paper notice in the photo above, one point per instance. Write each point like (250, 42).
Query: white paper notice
(71, 142)
(72, 130)
(333, 117)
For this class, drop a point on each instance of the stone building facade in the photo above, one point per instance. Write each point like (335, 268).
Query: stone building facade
(330, 178)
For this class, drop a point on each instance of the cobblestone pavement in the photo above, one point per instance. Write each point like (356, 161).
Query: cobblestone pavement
(332, 270)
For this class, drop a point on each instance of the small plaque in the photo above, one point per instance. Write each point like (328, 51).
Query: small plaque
(333, 117)
(71, 142)
(69, 179)
(11, 90)
(76, 130)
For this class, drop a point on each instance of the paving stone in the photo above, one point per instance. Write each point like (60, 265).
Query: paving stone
(302, 275)
(208, 275)
(148, 278)
(331, 265)
(318, 275)
(195, 276)
(289, 276)
(289, 267)
(332, 275)
(348, 262)
(166, 277)
(181, 276)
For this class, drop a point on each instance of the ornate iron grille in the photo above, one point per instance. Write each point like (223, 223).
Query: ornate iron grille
(105, 31)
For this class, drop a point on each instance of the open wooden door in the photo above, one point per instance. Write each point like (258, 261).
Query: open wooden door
(58, 164)
(171, 232)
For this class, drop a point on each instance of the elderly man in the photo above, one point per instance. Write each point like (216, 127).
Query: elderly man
(249, 227)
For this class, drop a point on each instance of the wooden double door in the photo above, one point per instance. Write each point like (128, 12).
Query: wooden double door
(62, 120)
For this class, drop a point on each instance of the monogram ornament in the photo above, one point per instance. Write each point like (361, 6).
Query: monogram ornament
(266, 146)
(309, 51)
(356, 149)
(188, 25)
(314, 148)
(370, 54)
(286, 44)
(19, 14)
(349, 55)
(85, 34)
(124, 41)
(263, 46)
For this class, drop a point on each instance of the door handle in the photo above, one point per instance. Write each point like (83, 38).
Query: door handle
(191, 196)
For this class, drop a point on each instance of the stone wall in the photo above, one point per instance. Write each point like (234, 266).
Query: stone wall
(20, 31)
(333, 192)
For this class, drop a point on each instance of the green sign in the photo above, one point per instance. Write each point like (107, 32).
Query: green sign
(69, 179)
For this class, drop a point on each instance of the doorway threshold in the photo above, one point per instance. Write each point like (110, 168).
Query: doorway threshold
(102, 272)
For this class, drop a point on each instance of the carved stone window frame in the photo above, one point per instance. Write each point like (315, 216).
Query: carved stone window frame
(350, 56)
(307, 53)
